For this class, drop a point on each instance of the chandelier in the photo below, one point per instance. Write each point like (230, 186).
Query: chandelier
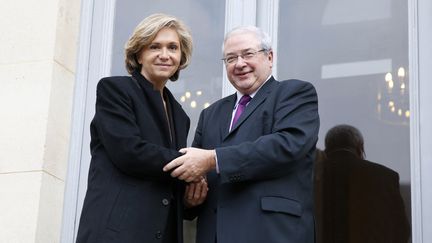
(393, 98)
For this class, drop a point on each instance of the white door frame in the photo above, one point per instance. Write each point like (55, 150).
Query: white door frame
(93, 62)
(420, 59)
(94, 59)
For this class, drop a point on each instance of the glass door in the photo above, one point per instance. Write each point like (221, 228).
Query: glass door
(356, 55)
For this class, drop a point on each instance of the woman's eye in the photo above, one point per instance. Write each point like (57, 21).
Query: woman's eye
(173, 47)
(153, 47)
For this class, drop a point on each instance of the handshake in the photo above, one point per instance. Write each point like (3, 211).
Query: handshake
(192, 167)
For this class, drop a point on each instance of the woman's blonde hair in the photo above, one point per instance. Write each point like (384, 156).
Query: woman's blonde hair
(146, 31)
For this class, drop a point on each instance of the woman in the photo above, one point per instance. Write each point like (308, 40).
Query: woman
(138, 127)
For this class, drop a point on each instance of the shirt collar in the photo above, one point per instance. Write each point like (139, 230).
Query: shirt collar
(239, 94)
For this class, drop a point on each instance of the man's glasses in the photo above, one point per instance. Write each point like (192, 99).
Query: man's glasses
(247, 55)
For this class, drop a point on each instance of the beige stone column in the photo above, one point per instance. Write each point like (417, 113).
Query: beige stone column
(38, 47)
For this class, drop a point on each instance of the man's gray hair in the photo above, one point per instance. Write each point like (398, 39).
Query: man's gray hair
(262, 36)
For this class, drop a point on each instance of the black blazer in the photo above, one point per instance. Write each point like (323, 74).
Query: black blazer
(264, 190)
(129, 197)
(359, 202)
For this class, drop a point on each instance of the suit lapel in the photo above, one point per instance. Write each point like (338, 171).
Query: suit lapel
(226, 114)
(258, 99)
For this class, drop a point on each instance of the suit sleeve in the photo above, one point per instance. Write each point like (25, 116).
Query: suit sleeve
(292, 140)
(120, 135)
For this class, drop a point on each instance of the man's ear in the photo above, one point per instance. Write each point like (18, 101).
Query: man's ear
(270, 57)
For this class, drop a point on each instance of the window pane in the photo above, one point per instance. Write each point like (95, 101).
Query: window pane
(347, 48)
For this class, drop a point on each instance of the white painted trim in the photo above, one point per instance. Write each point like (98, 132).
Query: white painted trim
(93, 62)
(424, 123)
(421, 117)
(416, 203)
(237, 13)
(69, 223)
(268, 20)
(103, 39)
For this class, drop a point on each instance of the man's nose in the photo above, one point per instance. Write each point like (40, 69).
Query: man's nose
(240, 62)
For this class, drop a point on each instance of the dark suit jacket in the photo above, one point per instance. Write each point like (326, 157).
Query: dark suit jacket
(264, 190)
(129, 197)
(359, 202)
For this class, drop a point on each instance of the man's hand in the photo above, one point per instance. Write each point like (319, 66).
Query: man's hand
(192, 165)
(196, 193)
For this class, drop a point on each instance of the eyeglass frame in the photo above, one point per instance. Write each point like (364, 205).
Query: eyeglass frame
(246, 55)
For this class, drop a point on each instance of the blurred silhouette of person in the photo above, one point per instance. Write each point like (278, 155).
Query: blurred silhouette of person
(356, 201)
(318, 188)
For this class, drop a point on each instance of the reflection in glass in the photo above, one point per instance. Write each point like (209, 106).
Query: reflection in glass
(393, 98)
(356, 55)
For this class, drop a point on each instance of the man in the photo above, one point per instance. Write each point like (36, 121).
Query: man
(359, 201)
(259, 163)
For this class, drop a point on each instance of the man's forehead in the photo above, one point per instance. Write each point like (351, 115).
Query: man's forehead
(241, 36)
(241, 50)
(240, 43)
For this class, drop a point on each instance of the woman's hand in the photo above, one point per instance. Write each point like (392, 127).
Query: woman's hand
(195, 193)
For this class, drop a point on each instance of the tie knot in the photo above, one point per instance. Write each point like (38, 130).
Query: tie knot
(244, 99)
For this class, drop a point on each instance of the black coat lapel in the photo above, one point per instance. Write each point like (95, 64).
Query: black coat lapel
(180, 120)
(155, 103)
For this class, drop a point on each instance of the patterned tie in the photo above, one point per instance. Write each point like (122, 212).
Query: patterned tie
(240, 108)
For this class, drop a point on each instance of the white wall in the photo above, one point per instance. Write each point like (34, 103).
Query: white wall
(37, 62)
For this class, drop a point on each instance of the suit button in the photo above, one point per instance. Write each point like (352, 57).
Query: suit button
(165, 202)
(158, 234)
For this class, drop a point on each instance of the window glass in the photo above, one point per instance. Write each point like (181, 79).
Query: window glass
(356, 55)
